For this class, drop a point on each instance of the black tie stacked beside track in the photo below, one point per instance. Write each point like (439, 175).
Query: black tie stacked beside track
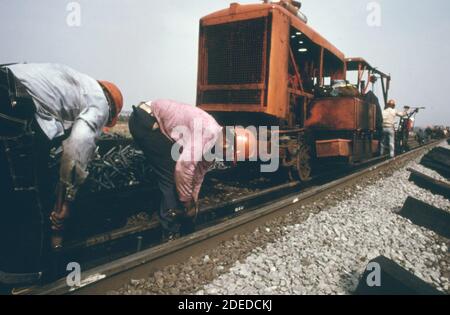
(396, 279)
(425, 215)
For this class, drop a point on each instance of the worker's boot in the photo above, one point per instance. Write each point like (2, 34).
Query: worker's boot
(189, 220)
(171, 223)
(191, 210)
(169, 236)
(174, 215)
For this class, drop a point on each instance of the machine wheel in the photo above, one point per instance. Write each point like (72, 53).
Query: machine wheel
(300, 168)
(304, 168)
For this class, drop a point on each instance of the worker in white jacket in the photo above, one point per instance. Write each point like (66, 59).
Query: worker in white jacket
(65, 105)
(390, 115)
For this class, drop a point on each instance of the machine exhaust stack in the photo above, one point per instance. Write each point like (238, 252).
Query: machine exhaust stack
(293, 7)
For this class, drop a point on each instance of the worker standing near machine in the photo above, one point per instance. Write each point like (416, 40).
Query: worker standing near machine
(390, 115)
(50, 105)
(162, 129)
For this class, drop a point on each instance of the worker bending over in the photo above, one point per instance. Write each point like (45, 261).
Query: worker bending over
(163, 128)
(390, 115)
(56, 105)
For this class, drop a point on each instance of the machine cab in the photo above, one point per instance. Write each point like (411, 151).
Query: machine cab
(346, 118)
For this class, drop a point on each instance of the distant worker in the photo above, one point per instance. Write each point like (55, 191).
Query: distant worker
(429, 133)
(161, 128)
(390, 115)
(53, 105)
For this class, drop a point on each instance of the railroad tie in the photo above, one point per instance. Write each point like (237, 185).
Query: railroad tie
(385, 277)
(438, 160)
(433, 185)
(427, 216)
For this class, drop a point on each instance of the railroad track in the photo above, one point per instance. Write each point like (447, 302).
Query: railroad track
(240, 214)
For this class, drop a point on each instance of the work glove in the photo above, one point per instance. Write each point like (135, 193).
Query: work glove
(191, 210)
(60, 216)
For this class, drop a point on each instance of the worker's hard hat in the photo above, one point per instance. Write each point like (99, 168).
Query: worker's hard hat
(115, 96)
(246, 144)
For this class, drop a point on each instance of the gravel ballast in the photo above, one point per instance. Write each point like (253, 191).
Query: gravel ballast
(322, 248)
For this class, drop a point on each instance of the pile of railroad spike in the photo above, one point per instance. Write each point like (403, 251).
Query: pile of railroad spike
(120, 167)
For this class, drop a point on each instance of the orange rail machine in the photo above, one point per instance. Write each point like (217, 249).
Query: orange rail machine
(262, 65)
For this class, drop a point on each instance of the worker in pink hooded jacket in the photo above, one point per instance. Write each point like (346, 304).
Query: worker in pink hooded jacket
(176, 138)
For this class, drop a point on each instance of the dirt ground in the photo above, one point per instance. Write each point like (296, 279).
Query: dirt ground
(121, 128)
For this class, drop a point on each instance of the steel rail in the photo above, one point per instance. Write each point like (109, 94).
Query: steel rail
(118, 234)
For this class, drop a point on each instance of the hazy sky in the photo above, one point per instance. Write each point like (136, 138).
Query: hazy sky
(149, 48)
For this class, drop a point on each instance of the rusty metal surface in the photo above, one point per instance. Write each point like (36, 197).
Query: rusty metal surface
(362, 66)
(232, 69)
(342, 113)
(354, 63)
(277, 98)
(246, 54)
(262, 60)
(334, 148)
(238, 12)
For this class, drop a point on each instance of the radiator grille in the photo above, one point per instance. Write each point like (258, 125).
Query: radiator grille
(235, 52)
(246, 97)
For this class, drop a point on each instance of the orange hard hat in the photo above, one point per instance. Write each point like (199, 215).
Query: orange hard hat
(115, 96)
(246, 144)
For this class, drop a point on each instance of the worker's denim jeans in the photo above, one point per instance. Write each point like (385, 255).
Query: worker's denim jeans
(26, 190)
(157, 149)
(388, 143)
